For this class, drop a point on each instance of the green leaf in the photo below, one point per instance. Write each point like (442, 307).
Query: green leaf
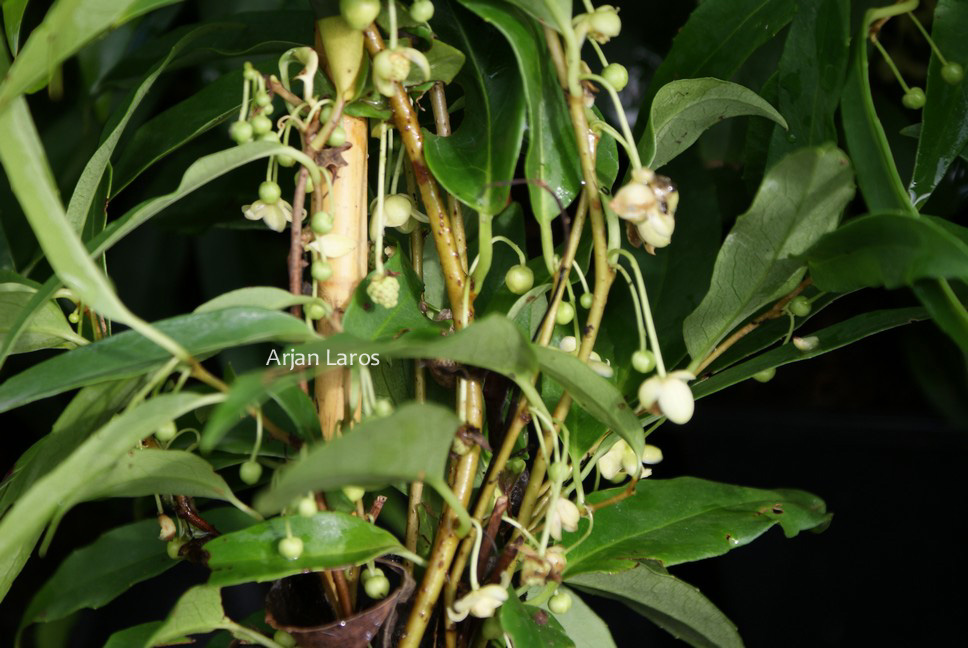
(367, 320)
(13, 16)
(800, 200)
(683, 110)
(828, 339)
(686, 519)
(593, 394)
(531, 627)
(445, 63)
(944, 133)
(476, 162)
(329, 540)
(200, 173)
(267, 297)
(553, 13)
(138, 635)
(199, 610)
(889, 250)
(667, 601)
(718, 38)
(585, 628)
(48, 328)
(149, 471)
(552, 155)
(44, 499)
(946, 309)
(130, 354)
(811, 75)
(68, 26)
(410, 445)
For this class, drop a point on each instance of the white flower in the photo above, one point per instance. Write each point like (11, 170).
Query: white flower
(568, 344)
(275, 215)
(619, 461)
(657, 228)
(634, 202)
(807, 343)
(481, 603)
(563, 515)
(602, 367)
(651, 454)
(672, 395)
(332, 246)
(649, 202)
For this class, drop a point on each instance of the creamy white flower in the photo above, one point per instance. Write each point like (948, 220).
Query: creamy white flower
(657, 228)
(651, 454)
(672, 395)
(807, 343)
(634, 202)
(275, 215)
(564, 515)
(481, 603)
(332, 246)
(602, 367)
(568, 344)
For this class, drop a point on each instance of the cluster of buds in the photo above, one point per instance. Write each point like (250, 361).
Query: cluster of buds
(648, 203)
(536, 570)
(384, 290)
(254, 122)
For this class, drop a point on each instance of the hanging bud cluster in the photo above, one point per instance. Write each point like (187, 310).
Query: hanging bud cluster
(648, 203)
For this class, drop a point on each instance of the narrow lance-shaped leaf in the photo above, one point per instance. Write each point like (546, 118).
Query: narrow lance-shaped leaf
(476, 162)
(685, 519)
(199, 610)
(47, 330)
(667, 601)
(580, 623)
(683, 110)
(552, 155)
(800, 200)
(268, 297)
(553, 13)
(13, 16)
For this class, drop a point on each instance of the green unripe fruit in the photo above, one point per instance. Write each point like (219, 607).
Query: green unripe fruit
(284, 639)
(325, 113)
(422, 10)
(914, 98)
(250, 471)
(173, 548)
(285, 160)
(560, 603)
(765, 376)
(359, 13)
(262, 100)
(307, 507)
(166, 432)
(382, 407)
(616, 75)
(800, 306)
(261, 124)
(953, 73)
(519, 279)
(586, 300)
(241, 132)
(269, 192)
(321, 271)
(321, 223)
(290, 548)
(566, 313)
(316, 311)
(643, 361)
(377, 586)
(558, 471)
(337, 137)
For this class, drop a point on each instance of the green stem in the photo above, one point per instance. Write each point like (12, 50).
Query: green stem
(927, 37)
(623, 120)
(890, 64)
(646, 308)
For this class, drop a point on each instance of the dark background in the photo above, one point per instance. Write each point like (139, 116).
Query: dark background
(877, 429)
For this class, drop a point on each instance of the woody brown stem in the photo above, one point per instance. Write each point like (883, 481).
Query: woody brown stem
(438, 102)
(295, 240)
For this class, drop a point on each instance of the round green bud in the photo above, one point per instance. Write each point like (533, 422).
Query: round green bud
(263, 99)
(166, 432)
(359, 13)
(268, 109)
(566, 313)
(74, 318)
(396, 210)
(560, 603)
(586, 300)
(800, 306)
(321, 223)
(914, 98)
(391, 65)
(269, 192)
(249, 73)
(271, 136)
(558, 471)
(261, 124)
(353, 493)
(307, 506)
(316, 311)
(284, 639)
(519, 279)
(643, 361)
(516, 466)
(377, 586)
(422, 10)
(240, 132)
(383, 407)
(250, 471)
(765, 376)
(321, 271)
(285, 160)
(605, 22)
(290, 548)
(953, 73)
(325, 113)
(616, 75)
(173, 548)
(337, 137)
